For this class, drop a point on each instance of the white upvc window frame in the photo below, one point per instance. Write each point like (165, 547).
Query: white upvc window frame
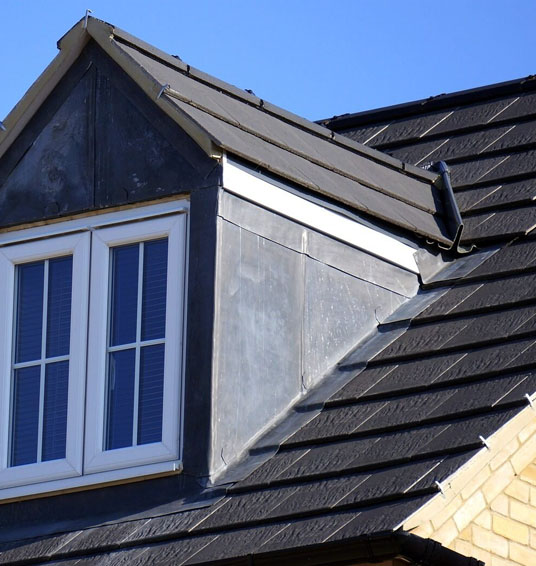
(77, 246)
(89, 239)
(97, 458)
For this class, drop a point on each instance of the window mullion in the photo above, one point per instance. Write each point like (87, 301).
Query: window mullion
(129, 346)
(138, 348)
(43, 364)
(52, 360)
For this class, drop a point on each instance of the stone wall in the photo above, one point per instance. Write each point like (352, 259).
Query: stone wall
(504, 534)
(488, 508)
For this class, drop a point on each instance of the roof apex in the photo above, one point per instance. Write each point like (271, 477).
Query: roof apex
(220, 117)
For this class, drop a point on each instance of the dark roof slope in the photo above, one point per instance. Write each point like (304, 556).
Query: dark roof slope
(380, 446)
(488, 138)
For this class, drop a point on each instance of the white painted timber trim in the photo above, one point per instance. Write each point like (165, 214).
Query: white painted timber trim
(93, 480)
(95, 222)
(247, 185)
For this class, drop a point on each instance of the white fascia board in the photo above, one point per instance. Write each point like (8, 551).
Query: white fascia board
(249, 186)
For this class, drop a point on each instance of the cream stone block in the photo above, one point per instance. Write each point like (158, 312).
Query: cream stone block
(463, 547)
(504, 454)
(522, 554)
(497, 561)
(533, 496)
(525, 455)
(468, 471)
(510, 529)
(476, 482)
(499, 480)
(447, 533)
(523, 513)
(487, 540)
(466, 534)
(513, 428)
(424, 530)
(469, 477)
(450, 508)
(519, 490)
(533, 538)
(484, 519)
(468, 549)
(432, 508)
(501, 504)
(528, 430)
(469, 510)
(529, 474)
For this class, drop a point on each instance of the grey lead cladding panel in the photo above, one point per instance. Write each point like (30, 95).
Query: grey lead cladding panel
(362, 265)
(318, 246)
(257, 337)
(260, 221)
(283, 320)
(340, 310)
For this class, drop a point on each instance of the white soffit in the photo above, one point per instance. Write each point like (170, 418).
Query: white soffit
(249, 186)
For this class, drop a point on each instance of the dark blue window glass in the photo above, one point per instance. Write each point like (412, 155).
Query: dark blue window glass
(37, 297)
(25, 416)
(29, 311)
(60, 276)
(55, 411)
(124, 297)
(151, 394)
(153, 320)
(137, 315)
(121, 385)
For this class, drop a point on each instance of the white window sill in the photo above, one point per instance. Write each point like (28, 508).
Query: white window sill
(95, 480)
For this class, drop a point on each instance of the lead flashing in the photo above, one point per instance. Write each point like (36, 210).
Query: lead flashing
(238, 180)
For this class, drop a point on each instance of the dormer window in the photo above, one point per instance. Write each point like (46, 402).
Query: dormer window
(64, 425)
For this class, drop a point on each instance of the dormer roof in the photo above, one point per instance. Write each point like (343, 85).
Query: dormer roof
(222, 118)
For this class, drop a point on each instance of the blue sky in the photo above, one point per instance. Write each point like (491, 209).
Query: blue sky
(316, 58)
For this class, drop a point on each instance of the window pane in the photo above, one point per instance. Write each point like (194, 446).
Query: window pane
(154, 290)
(55, 411)
(151, 395)
(60, 273)
(29, 311)
(124, 299)
(25, 416)
(121, 381)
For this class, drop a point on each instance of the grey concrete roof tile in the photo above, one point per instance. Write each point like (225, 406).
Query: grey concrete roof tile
(498, 195)
(502, 224)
